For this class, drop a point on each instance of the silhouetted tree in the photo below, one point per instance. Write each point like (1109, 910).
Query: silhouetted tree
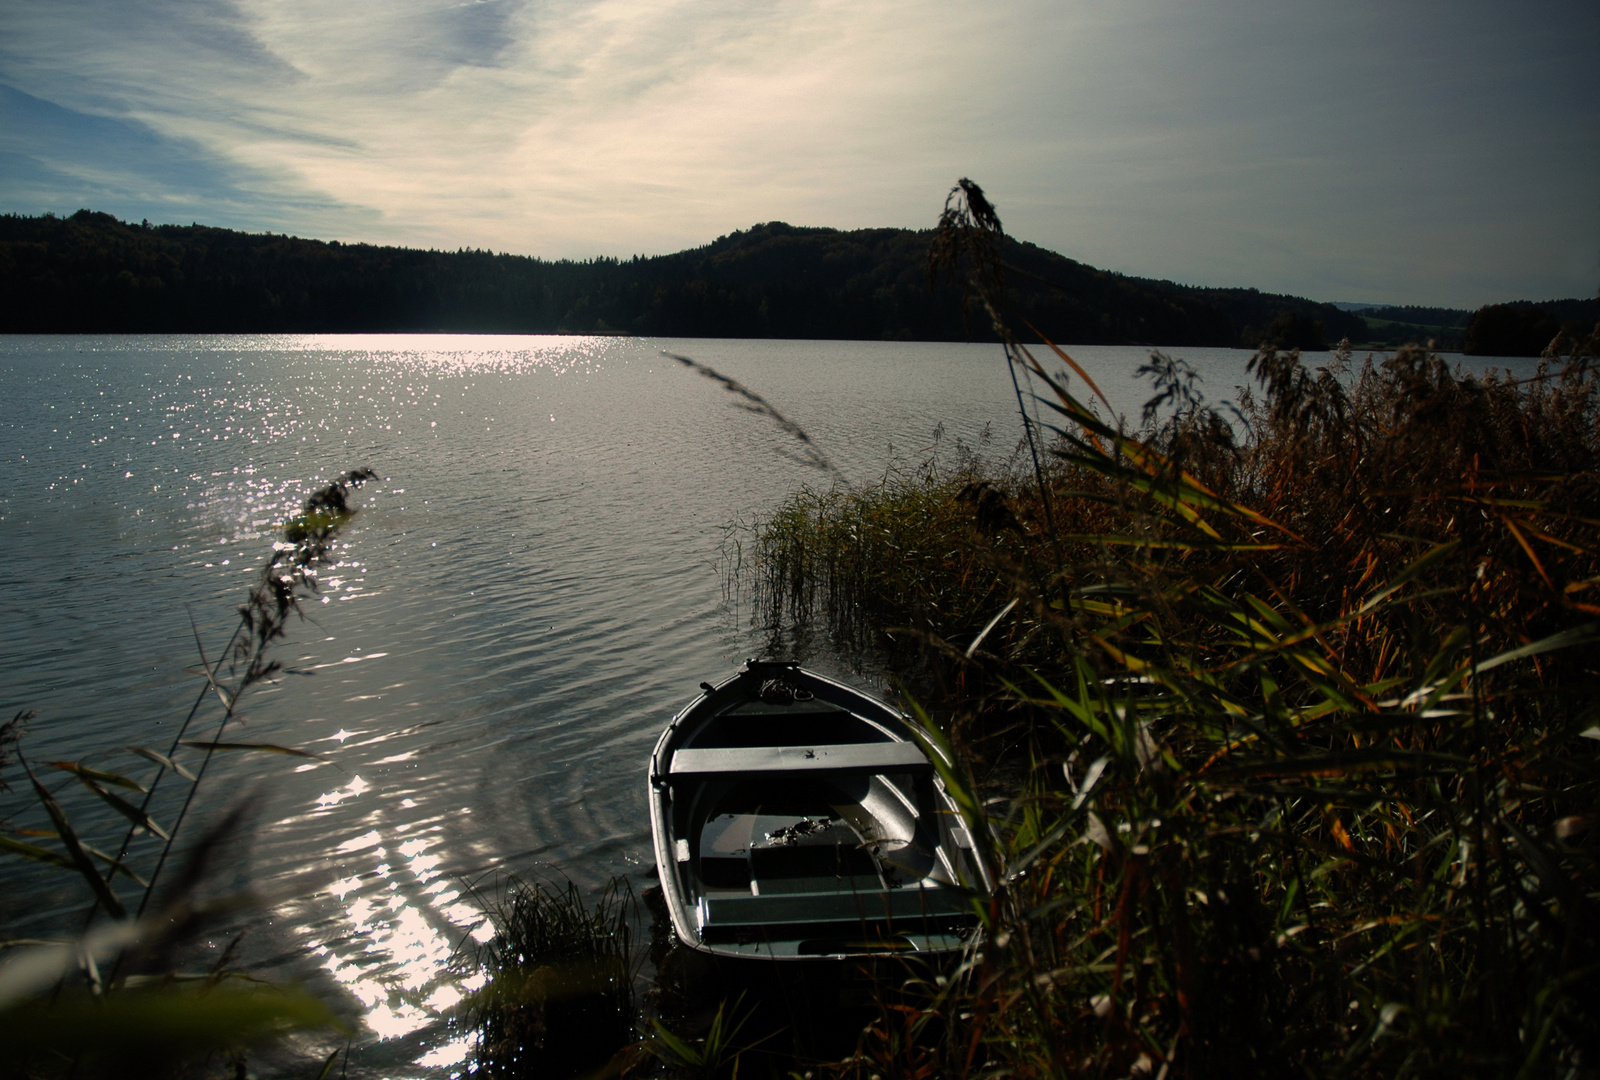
(1293, 330)
(1509, 330)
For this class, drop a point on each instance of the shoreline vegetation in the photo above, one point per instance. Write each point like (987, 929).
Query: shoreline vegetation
(90, 273)
(1281, 720)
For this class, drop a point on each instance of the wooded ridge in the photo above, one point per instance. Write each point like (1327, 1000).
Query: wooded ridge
(90, 273)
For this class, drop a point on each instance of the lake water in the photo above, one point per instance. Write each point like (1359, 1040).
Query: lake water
(534, 586)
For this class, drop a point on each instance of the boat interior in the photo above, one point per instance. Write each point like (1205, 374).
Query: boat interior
(804, 828)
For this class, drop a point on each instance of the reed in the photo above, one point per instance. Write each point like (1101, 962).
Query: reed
(559, 997)
(1298, 704)
(113, 999)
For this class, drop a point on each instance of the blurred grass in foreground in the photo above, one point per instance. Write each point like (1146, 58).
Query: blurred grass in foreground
(114, 1000)
(1280, 719)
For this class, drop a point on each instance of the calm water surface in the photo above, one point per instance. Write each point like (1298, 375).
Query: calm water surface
(533, 588)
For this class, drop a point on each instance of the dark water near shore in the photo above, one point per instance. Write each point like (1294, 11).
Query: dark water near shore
(536, 584)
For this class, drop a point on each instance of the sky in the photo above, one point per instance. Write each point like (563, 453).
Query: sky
(1440, 153)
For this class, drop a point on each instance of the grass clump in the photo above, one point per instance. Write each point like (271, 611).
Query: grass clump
(1300, 699)
(559, 998)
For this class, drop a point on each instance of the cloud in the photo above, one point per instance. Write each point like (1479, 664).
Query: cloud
(59, 159)
(1362, 151)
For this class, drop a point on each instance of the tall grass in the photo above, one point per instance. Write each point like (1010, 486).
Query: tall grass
(1304, 698)
(113, 999)
(559, 997)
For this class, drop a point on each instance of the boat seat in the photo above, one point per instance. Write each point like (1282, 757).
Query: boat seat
(878, 757)
(789, 909)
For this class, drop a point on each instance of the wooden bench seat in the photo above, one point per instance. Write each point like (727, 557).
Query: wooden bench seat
(877, 757)
(785, 909)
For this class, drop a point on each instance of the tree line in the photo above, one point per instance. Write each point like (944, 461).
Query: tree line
(91, 273)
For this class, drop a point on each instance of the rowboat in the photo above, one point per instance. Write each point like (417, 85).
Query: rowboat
(795, 817)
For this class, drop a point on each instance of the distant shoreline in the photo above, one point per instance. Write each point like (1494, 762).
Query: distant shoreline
(90, 273)
(1310, 354)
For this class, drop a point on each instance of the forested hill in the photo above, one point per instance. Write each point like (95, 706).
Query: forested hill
(91, 273)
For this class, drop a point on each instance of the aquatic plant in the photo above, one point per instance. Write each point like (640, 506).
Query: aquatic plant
(558, 1000)
(1278, 724)
(113, 999)
(718, 1052)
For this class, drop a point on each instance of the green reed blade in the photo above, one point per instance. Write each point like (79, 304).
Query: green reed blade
(126, 809)
(263, 748)
(69, 840)
(83, 772)
(161, 759)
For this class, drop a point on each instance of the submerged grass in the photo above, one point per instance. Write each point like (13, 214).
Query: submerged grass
(1299, 702)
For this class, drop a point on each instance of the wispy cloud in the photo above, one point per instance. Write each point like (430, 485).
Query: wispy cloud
(60, 159)
(1357, 151)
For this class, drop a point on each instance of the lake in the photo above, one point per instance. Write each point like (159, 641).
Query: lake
(534, 586)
